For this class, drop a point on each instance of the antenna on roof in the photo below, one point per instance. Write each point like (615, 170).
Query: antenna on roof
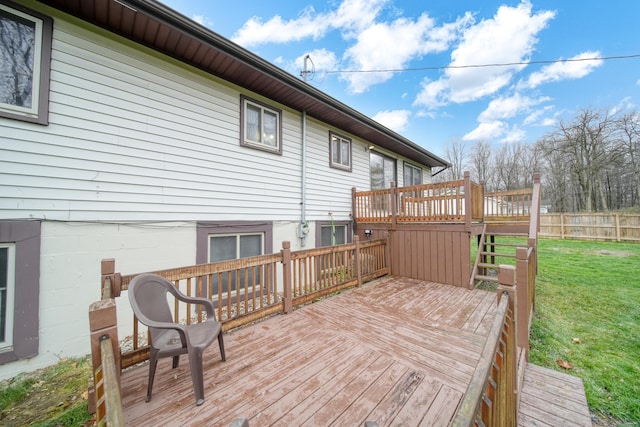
(305, 72)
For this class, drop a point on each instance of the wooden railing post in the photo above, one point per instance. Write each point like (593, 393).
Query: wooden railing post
(507, 285)
(103, 321)
(394, 205)
(286, 276)
(522, 311)
(468, 200)
(111, 281)
(354, 201)
(358, 260)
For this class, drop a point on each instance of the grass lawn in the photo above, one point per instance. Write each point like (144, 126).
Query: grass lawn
(588, 314)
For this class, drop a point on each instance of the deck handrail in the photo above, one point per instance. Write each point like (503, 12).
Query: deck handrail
(451, 201)
(490, 399)
(512, 205)
(108, 400)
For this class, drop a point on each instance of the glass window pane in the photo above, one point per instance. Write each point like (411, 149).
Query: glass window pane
(270, 129)
(376, 165)
(335, 150)
(17, 47)
(253, 132)
(346, 153)
(250, 245)
(4, 271)
(325, 236)
(222, 248)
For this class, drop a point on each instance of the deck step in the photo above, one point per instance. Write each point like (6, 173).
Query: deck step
(486, 278)
(488, 233)
(496, 254)
(552, 398)
(512, 245)
(487, 265)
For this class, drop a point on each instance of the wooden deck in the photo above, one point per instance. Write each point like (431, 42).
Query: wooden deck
(551, 398)
(396, 351)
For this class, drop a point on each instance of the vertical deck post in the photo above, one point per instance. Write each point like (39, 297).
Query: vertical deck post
(286, 276)
(358, 260)
(468, 200)
(394, 205)
(354, 211)
(103, 321)
(522, 313)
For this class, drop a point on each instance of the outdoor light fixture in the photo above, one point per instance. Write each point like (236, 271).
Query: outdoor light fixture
(368, 232)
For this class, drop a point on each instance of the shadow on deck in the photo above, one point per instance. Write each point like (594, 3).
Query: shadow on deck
(396, 351)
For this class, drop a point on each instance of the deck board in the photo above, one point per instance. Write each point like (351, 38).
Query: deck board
(551, 398)
(396, 351)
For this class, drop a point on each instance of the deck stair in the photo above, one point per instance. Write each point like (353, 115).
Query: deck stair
(496, 248)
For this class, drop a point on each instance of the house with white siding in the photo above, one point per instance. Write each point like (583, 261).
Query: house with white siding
(128, 131)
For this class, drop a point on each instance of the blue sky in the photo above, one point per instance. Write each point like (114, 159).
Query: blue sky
(440, 98)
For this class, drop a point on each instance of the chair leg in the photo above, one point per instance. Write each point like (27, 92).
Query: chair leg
(153, 362)
(176, 360)
(221, 344)
(195, 364)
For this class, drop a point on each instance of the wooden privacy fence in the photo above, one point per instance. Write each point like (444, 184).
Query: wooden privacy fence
(493, 394)
(591, 226)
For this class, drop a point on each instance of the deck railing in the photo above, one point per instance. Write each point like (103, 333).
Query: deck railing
(493, 394)
(451, 201)
(514, 205)
(461, 201)
(248, 289)
(490, 399)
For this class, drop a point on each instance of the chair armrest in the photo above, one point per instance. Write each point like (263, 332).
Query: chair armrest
(207, 303)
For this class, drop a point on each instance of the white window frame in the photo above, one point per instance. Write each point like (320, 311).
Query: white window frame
(409, 166)
(7, 343)
(261, 145)
(340, 162)
(38, 111)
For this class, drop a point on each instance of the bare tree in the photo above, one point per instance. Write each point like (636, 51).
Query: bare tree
(587, 146)
(628, 126)
(456, 155)
(481, 163)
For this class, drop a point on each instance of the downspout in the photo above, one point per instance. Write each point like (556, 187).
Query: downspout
(303, 227)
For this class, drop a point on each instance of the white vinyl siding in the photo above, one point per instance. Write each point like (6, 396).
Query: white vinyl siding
(135, 138)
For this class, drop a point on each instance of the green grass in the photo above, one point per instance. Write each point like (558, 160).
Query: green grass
(590, 291)
(54, 396)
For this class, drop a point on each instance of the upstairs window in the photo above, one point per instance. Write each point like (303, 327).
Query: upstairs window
(261, 126)
(382, 170)
(339, 152)
(25, 54)
(412, 175)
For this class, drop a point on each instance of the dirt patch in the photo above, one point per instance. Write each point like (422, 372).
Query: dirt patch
(611, 253)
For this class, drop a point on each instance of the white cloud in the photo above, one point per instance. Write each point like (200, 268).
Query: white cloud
(535, 115)
(509, 37)
(351, 15)
(508, 107)
(513, 135)
(396, 120)
(391, 46)
(575, 68)
(321, 60)
(202, 20)
(487, 130)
